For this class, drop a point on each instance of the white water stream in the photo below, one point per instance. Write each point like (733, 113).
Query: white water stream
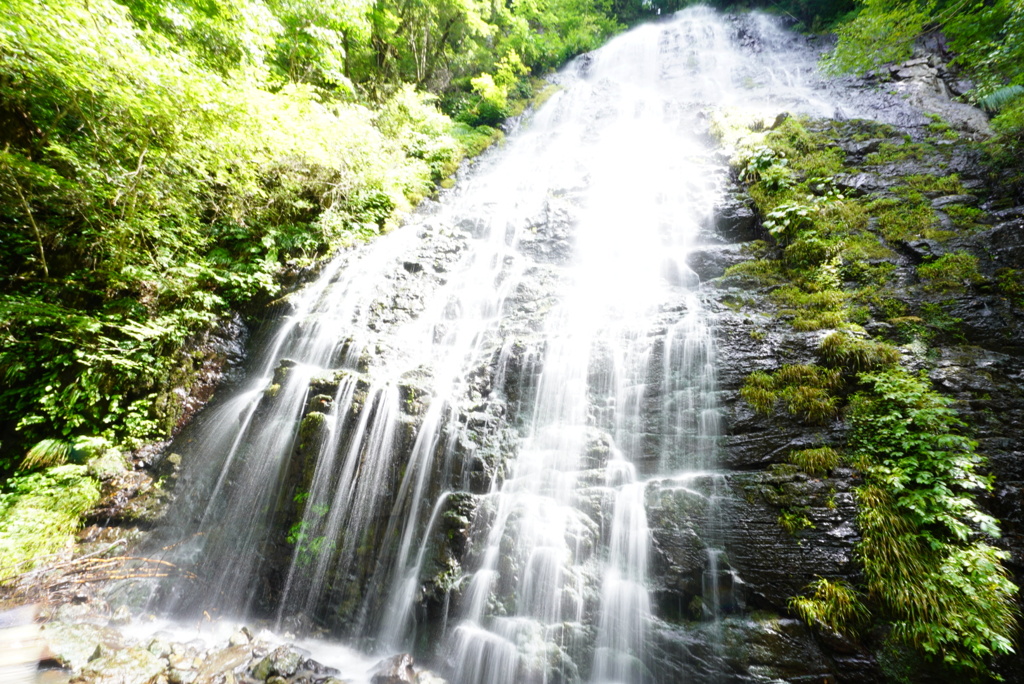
(566, 265)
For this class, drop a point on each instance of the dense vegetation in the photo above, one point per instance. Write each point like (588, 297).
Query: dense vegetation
(160, 161)
(932, 574)
(164, 162)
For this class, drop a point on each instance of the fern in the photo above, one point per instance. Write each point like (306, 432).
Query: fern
(47, 453)
(995, 101)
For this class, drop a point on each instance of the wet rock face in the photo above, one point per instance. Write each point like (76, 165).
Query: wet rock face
(740, 651)
(787, 527)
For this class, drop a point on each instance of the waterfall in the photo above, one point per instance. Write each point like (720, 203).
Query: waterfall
(451, 439)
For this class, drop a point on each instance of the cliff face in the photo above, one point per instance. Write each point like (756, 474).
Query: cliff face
(961, 328)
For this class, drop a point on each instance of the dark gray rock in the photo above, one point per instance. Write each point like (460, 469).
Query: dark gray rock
(940, 202)
(710, 261)
(735, 219)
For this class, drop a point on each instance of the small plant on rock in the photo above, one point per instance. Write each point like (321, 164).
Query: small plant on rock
(816, 461)
(834, 604)
(805, 391)
(855, 354)
(953, 272)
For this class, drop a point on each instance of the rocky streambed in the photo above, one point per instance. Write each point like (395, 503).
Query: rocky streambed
(79, 644)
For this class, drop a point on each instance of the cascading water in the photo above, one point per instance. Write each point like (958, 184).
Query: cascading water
(525, 367)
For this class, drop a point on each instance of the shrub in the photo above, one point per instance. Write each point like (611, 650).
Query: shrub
(855, 354)
(925, 545)
(804, 390)
(816, 461)
(39, 514)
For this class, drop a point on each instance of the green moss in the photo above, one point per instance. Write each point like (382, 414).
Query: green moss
(40, 513)
(855, 354)
(759, 249)
(939, 129)
(815, 310)
(760, 272)
(820, 163)
(929, 184)
(898, 221)
(792, 139)
(804, 391)
(871, 275)
(941, 323)
(1010, 282)
(312, 429)
(821, 300)
(808, 252)
(890, 152)
(964, 217)
(953, 272)
(865, 246)
(841, 217)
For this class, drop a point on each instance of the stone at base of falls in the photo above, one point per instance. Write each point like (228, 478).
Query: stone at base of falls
(229, 660)
(398, 669)
(241, 637)
(93, 650)
(74, 645)
(282, 662)
(129, 666)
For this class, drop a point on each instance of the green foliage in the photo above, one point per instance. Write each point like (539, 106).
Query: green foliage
(46, 453)
(794, 521)
(900, 220)
(881, 32)
(788, 219)
(856, 354)
(986, 37)
(952, 272)
(309, 546)
(769, 167)
(816, 461)
(926, 547)
(757, 272)
(39, 514)
(805, 391)
(144, 194)
(834, 604)
(998, 99)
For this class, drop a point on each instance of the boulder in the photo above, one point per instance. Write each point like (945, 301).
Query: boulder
(397, 669)
(128, 666)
